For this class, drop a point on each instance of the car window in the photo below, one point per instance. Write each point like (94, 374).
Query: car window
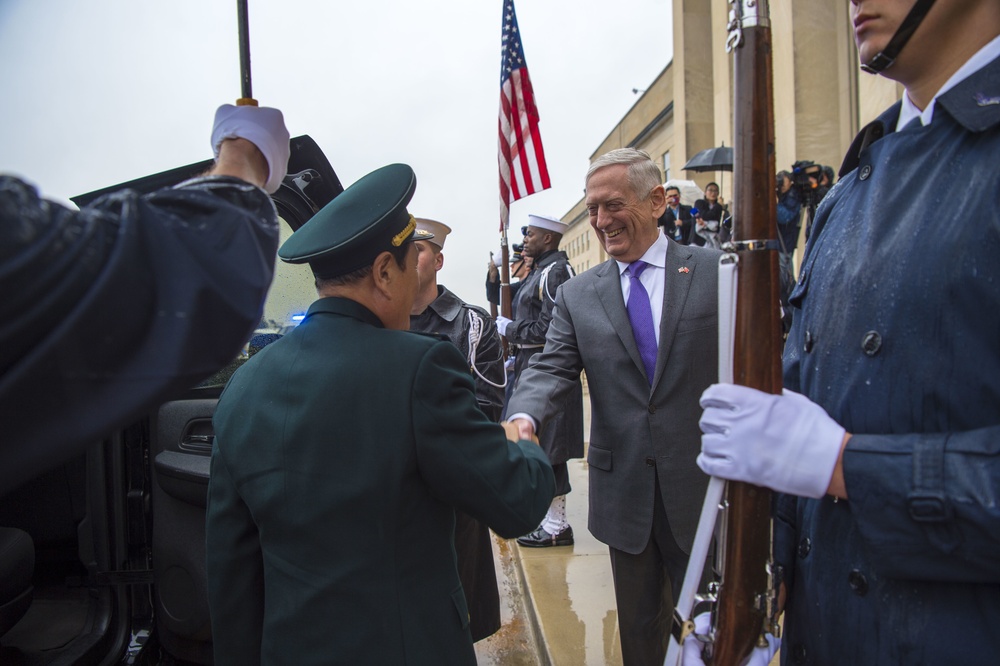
(292, 291)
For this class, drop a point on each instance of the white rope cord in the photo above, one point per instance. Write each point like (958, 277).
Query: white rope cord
(475, 335)
(543, 284)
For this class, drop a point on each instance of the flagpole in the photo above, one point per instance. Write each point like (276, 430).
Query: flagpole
(522, 160)
(506, 306)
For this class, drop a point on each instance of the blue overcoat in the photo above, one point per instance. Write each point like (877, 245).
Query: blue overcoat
(896, 334)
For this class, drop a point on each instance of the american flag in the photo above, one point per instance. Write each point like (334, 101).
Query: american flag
(522, 160)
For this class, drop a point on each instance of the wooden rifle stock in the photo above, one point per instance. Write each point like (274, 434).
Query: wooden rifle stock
(745, 606)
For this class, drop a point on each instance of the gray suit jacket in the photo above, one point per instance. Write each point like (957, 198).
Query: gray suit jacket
(638, 433)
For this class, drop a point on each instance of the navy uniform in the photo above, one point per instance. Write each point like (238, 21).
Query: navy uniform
(562, 436)
(342, 451)
(468, 327)
(895, 334)
(472, 330)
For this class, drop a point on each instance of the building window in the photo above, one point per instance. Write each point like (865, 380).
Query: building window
(666, 166)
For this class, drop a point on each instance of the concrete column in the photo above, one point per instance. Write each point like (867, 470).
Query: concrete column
(722, 78)
(694, 93)
(819, 113)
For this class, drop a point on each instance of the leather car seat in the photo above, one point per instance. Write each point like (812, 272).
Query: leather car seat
(17, 566)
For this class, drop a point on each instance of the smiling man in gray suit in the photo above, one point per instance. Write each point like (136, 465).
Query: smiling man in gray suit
(643, 325)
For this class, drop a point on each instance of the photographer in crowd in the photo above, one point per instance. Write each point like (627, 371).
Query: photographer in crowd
(789, 223)
(677, 221)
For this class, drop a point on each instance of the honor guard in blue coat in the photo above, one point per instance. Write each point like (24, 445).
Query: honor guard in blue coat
(562, 436)
(471, 329)
(113, 309)
(887, 438)
(342, 451)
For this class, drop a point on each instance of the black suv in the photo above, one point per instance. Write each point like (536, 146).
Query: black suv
(117, 536)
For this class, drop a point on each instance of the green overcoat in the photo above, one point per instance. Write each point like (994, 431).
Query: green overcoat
(341, 453)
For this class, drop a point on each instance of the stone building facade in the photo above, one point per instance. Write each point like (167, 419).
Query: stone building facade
(821, 98)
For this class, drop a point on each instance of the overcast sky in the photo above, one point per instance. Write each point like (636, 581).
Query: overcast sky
(102, 91)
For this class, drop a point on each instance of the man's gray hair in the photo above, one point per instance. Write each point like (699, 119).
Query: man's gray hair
(642, 175)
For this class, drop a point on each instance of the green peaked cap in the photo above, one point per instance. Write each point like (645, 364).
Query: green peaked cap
(366, 219)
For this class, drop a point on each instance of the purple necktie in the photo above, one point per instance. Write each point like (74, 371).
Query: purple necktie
(640, 315)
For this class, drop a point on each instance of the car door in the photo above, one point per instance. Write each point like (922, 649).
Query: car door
(180, 431)
(180, 451)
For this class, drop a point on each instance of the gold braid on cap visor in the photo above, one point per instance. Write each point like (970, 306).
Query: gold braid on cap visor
(399, 238)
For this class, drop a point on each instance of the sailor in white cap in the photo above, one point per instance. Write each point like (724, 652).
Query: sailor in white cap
(561, 438)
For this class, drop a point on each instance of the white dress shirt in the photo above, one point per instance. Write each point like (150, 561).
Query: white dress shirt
(652, 278)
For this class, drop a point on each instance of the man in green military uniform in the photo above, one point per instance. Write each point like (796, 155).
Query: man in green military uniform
(342, 451)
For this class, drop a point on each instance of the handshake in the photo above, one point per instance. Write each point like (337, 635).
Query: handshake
(515, 431)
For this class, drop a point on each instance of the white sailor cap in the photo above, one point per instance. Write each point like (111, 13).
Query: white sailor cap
(548, 223)
(439, 229)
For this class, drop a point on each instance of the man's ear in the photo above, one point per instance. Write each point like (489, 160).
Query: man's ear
(382, 274)
(658, 197)
(439, 261)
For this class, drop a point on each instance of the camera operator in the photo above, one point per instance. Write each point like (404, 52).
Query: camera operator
(789, 221)
(806, 178)
(825, 182)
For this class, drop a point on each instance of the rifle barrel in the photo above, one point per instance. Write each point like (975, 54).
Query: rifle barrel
(742, 609)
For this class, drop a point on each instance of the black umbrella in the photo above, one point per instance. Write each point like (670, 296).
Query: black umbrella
(711, 159)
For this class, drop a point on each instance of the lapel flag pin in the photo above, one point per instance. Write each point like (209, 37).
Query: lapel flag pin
(683, 269)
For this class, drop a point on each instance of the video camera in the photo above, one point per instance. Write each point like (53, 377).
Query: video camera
(806, 175)
(807, 183)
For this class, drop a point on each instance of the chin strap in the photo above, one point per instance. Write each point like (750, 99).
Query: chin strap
(883, 60)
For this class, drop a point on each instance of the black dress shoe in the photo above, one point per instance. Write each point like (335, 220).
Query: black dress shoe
(542, 539)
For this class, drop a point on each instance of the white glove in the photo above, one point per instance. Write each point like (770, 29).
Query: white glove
(691, 655)
(261, 126)
(784, 442)
(502, 323)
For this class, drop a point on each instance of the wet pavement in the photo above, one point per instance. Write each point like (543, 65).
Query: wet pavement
(557, 604)
(518, 641)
